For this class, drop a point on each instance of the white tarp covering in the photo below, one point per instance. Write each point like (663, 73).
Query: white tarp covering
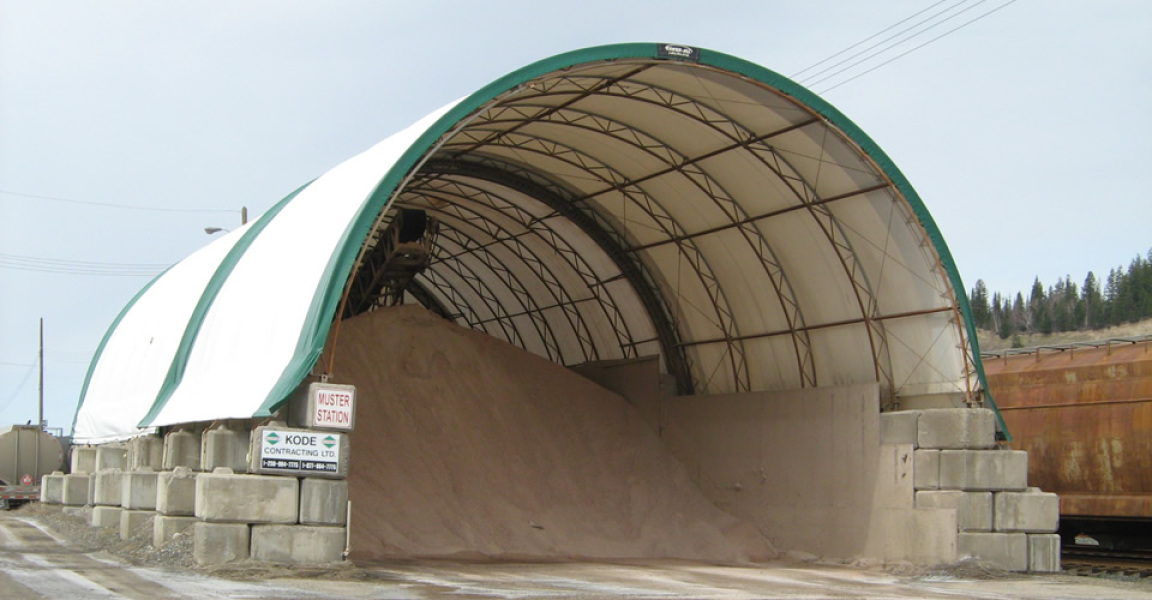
(248, 335)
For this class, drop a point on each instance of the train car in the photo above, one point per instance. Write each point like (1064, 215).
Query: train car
(1083, 412)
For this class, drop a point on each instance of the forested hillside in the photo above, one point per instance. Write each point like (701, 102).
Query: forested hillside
(1125, 296)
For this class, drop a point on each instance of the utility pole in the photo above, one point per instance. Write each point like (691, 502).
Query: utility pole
(41, 421)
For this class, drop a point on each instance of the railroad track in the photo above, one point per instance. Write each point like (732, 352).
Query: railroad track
(1092, 562)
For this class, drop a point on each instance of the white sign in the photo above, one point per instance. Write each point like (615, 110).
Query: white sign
(332, 407)
(300, 451)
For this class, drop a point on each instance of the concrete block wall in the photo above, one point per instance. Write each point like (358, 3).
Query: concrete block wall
(958, 466)
(291, 520)
(230, 515)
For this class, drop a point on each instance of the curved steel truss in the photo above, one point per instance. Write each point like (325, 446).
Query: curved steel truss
(579, 220)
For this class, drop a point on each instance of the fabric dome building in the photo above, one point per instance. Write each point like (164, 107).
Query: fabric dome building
(609, 203)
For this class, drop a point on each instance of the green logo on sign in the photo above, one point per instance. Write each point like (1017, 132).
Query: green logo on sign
(329, 442)
(272, 438)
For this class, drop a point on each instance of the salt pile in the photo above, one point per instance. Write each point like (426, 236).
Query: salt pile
(468, 447)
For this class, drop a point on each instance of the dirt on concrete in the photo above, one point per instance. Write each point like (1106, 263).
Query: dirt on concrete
(467, 447)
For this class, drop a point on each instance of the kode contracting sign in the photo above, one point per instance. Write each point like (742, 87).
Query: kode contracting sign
(279, 451)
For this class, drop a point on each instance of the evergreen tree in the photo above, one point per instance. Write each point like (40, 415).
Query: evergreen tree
(1040, 314)
(981, 311)
(1112, 295)
(1093, 302)
(1124, 296)
(998, 315)
(1019, 314)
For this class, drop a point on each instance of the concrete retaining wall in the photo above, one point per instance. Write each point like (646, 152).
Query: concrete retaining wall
(807, 468)
(822, 471)
(1000, 519)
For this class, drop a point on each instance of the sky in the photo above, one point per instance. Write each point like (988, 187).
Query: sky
(127, 127)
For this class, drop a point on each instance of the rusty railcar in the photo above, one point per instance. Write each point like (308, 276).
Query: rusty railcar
(1083, 412)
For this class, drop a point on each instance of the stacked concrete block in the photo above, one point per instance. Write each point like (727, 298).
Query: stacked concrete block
(1044, 552)
(136, 524)
(926, 469)
(145, 452)
(956, 429)
(182, 449)
(83, 459)
(225, 447)
(323, 502)
(1031, 511)
(958, 466)
(52, 488)
(176, 492)
(108, 488)
(105, 497)
(138, 489)
(219, 543)
(1006, 550)
(222, 496)
(165, 528)
(983, 470)
(175, 505)
(75, 489)
(297, 544)
(973, 509)
(138, 500)
(899, 427)
(111, 456)
(105, 517)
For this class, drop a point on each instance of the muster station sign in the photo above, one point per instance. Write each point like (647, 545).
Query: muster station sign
(325, 406)
(333, 408)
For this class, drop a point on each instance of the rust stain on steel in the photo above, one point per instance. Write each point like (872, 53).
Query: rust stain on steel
(1085, 419)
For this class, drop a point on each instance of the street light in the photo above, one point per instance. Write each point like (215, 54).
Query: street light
(243, 221)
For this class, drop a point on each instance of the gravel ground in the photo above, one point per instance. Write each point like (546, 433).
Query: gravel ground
(71, 525)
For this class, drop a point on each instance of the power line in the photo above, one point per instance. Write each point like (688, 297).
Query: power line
(118, 206)
(77, 267)
(811, 79)
(904, 20)
(19, 388)
(901, 55)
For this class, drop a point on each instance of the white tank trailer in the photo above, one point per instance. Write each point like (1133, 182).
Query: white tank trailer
(27, 453)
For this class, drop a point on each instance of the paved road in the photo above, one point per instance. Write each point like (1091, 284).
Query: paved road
(36, 564)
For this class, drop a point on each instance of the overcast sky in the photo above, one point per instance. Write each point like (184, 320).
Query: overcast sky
(1025, 131)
